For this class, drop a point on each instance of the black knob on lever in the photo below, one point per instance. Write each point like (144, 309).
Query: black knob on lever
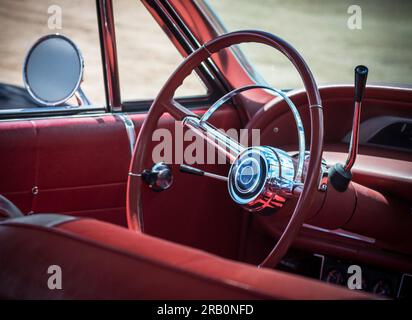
(361, 75)
(159, 177)
(340, 175)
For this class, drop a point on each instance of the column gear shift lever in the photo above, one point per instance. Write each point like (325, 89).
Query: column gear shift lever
(340, 175)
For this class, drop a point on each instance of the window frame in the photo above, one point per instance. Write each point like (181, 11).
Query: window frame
(210, 76)
(179, 34)
(53, 111)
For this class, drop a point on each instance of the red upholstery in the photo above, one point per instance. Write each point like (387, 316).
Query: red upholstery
(79, 165)
(100, 260)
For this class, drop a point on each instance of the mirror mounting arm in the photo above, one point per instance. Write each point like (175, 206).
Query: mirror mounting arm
(81, 98)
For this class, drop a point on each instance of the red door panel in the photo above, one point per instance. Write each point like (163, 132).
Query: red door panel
(80, 165)
(17, 162)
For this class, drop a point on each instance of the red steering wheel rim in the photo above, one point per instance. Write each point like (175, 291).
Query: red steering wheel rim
(164, 103)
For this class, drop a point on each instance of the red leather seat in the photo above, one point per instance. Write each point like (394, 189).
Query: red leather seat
(103, 261)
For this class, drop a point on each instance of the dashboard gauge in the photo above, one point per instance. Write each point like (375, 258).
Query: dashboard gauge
(335, 276)
(365, 285)
(382, 288)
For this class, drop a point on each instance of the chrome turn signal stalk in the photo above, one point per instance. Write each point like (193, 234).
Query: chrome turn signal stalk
(197, 172)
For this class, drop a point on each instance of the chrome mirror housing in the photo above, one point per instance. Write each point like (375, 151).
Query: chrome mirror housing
(53, 71)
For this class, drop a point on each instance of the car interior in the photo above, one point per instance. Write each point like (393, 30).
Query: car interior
(326, 187)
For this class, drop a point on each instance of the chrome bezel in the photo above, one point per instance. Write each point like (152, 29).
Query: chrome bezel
(274, 184)
(44, 103)
(239, 172)
(257, 189)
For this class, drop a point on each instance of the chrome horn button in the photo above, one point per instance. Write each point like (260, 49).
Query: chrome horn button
(261, 177)
(247, 175)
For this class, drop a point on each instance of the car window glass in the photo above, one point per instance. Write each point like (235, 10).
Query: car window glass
(146, 56)
(332, 36)
(23, 22)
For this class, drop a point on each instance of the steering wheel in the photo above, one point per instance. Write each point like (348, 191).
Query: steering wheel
(259, 176)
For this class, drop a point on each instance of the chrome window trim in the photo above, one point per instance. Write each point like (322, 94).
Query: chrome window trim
(90, 112)
(47, 111)
(108, 49)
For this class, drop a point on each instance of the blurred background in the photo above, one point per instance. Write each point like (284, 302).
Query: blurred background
(317, 28)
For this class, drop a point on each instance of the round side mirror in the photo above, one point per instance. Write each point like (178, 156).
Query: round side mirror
(53, 70)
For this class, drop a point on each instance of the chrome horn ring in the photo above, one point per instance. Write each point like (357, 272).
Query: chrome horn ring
(299, 125)
(259, 177)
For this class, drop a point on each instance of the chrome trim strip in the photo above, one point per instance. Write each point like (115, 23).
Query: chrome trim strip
(135, 174)
(322, 264)
(401, 283)
(84, 113)
(341, 233)
(34, 110)
(131, 133)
